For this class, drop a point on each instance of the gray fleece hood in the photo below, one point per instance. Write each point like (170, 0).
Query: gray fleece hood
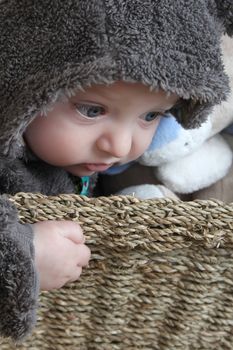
(53, 46)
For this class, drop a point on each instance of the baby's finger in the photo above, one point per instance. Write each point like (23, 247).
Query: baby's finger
(72, 230)
(83, 255)
(76, 275)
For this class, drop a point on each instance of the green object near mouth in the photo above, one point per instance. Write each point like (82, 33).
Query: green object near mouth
(85, 185)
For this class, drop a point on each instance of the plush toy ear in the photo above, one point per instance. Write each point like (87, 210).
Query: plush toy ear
(225, 14)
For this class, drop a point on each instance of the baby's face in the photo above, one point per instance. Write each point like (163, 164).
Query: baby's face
(99, 127)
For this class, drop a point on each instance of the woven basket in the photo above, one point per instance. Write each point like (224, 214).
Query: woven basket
(161, 276)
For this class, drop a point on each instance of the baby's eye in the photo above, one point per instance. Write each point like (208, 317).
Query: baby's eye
(149, 117)
(90, 111)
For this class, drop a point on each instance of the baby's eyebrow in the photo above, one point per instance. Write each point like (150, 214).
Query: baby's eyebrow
(176, 105)
(91, 97)
(170, 106)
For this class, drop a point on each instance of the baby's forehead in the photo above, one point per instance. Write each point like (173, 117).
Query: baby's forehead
(120, 88)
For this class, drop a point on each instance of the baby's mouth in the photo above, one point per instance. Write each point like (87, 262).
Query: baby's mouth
(97, 166)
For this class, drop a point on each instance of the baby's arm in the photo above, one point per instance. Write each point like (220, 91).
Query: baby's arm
(58, 256)
(60, 252)
(18, 278)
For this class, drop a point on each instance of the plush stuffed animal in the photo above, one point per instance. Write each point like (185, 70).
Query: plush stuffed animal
(186, 160)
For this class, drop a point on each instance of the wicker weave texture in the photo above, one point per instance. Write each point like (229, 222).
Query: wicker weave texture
(161, 276)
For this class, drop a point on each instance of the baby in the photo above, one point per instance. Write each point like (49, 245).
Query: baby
(83, 87)
(86, 133)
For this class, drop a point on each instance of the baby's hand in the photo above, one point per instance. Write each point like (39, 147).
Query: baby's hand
(60, 252)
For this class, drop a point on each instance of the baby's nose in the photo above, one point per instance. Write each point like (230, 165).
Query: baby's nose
(118, 143)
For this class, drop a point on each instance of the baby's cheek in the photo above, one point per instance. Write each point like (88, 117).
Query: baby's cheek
(151, 135)
(140, 148)
(146, 141)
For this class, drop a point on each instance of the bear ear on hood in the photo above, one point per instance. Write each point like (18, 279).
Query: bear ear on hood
(225, 14)
(221, 11)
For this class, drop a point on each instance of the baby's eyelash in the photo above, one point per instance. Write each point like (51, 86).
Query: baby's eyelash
(90, 111)
(166, 114)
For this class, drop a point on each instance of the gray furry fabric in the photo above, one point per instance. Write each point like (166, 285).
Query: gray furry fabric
(49, 47)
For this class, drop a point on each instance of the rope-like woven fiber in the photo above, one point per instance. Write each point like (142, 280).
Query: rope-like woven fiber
(161, 276)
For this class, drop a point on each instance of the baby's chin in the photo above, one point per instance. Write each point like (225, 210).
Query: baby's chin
(79, 171)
